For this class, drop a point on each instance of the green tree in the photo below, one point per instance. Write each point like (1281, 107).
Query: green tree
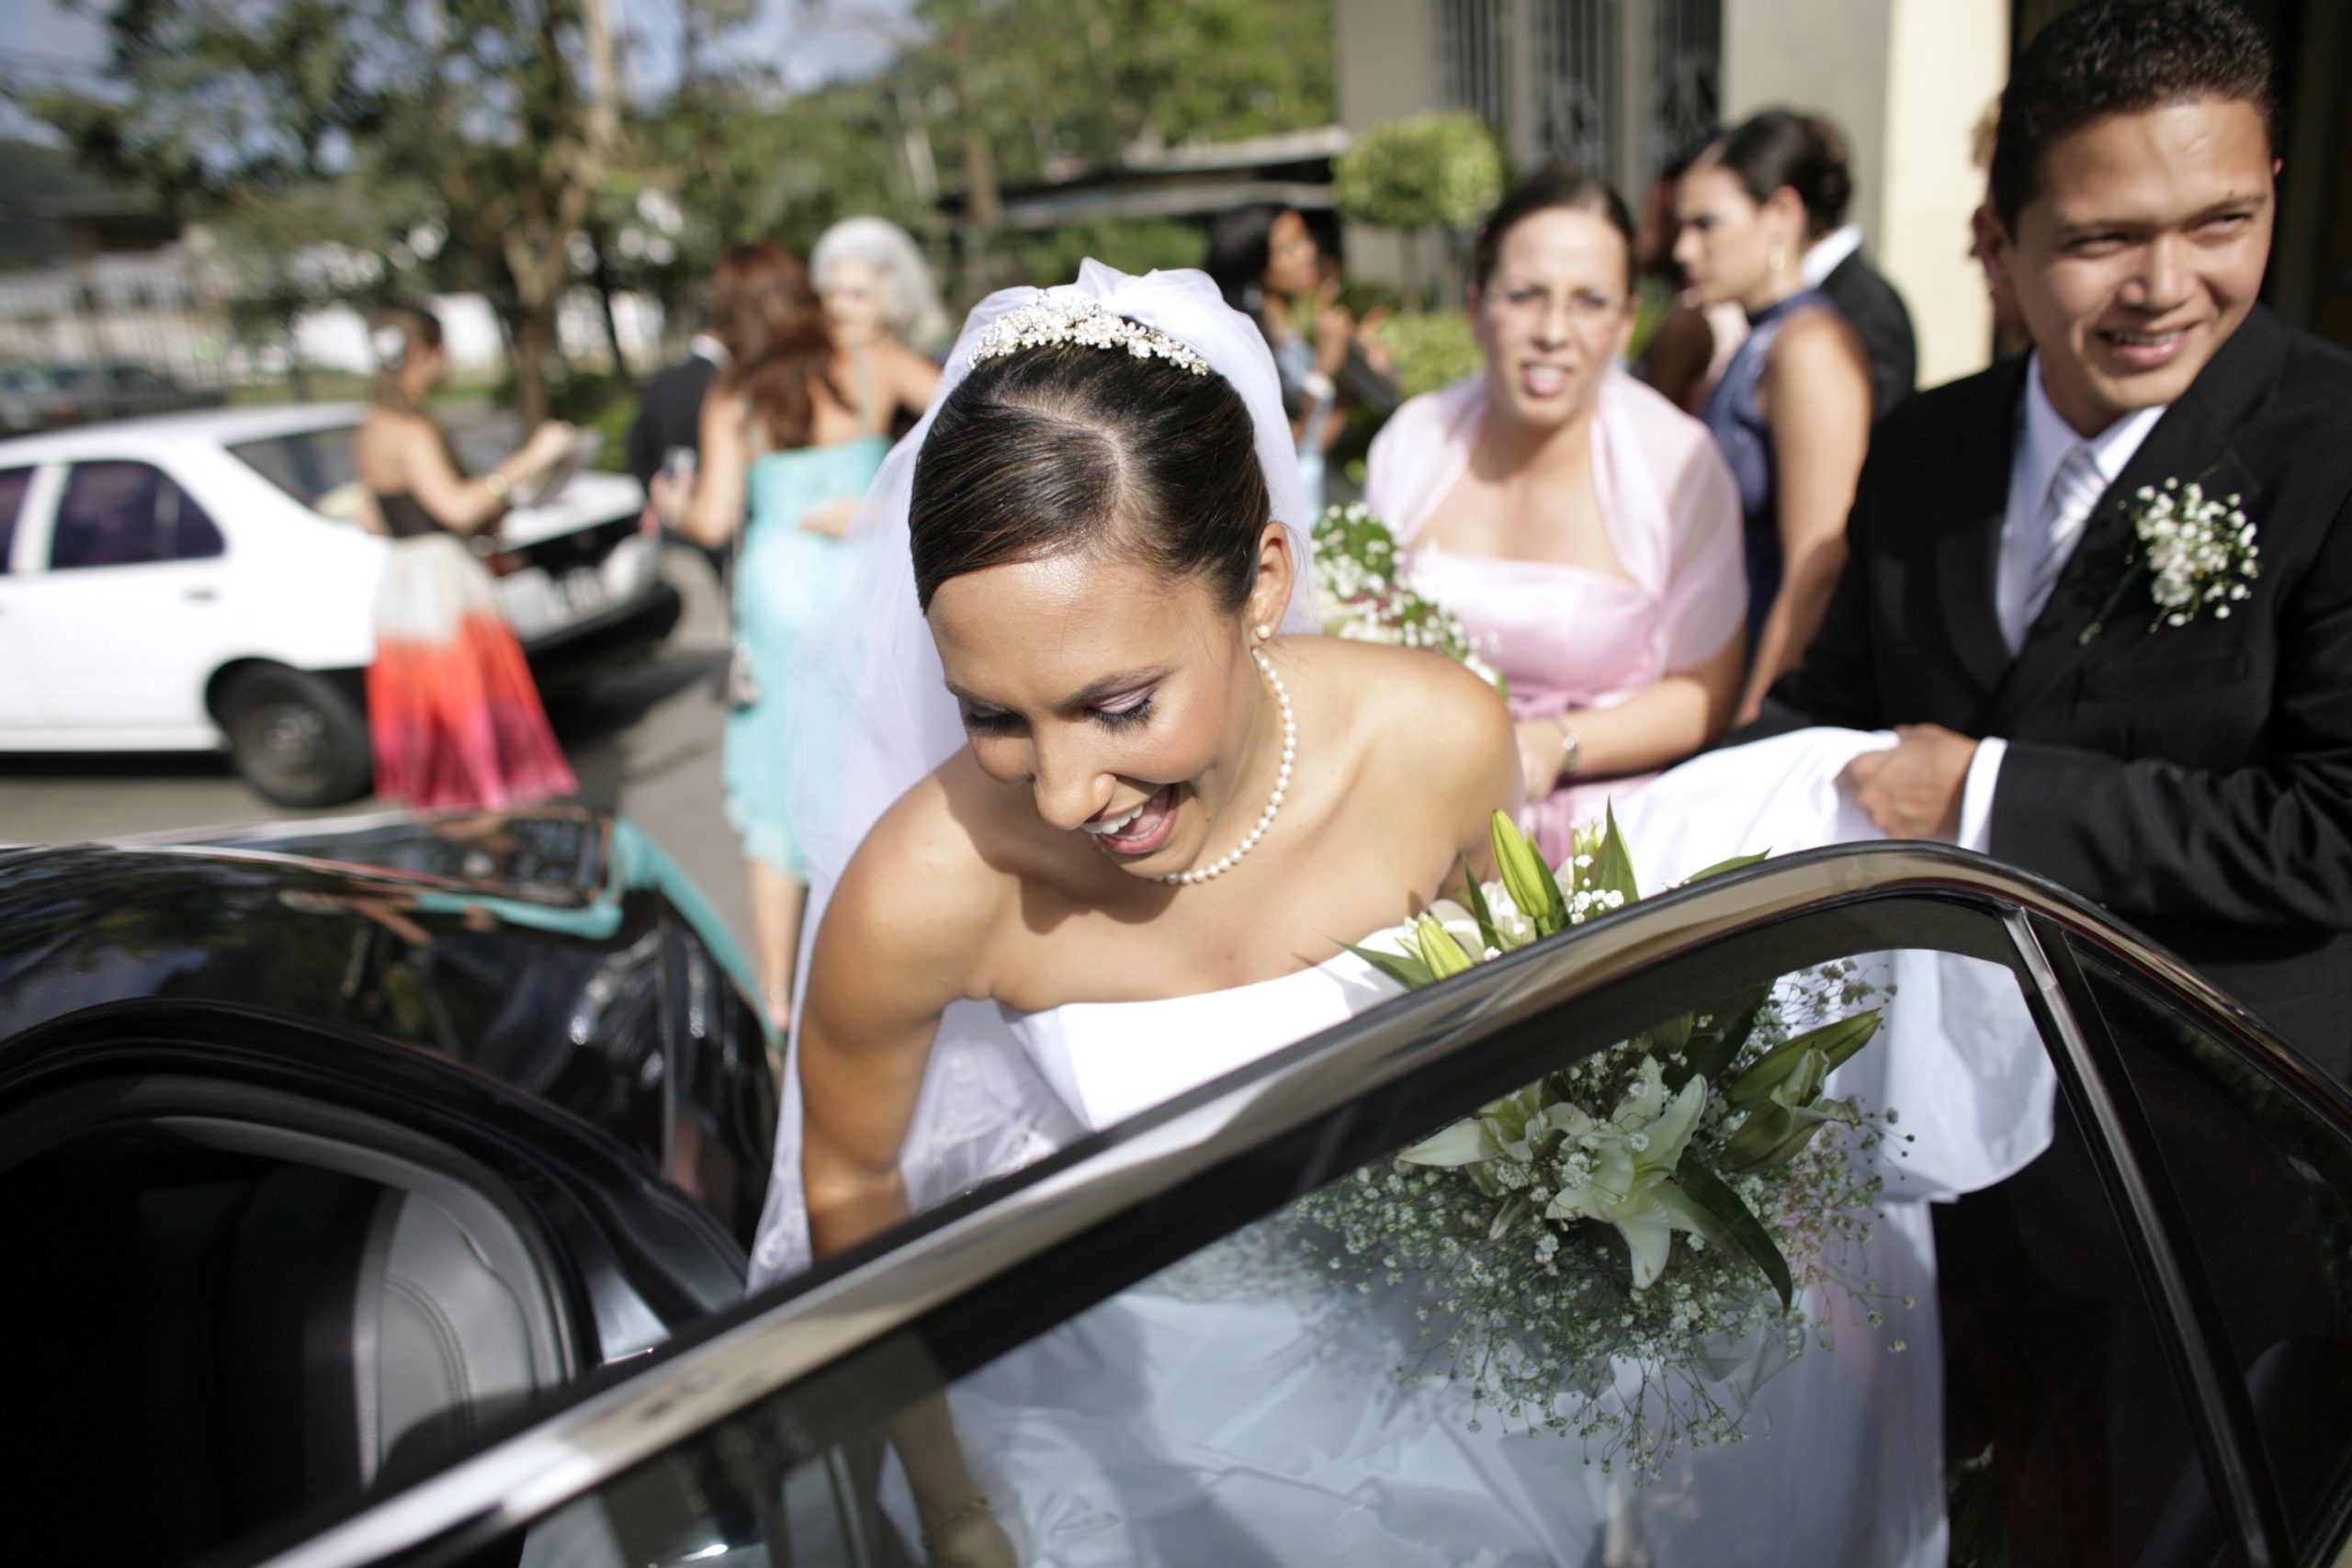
(493, 122)
(1022, 88)
(738, 160)
(982, 95)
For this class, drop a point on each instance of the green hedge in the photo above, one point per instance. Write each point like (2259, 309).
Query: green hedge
(1431, 349)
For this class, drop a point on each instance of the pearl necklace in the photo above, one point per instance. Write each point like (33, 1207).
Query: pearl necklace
(1273, 801)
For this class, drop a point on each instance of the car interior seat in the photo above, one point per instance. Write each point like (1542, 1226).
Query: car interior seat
(364, 1330)
(242, 1334)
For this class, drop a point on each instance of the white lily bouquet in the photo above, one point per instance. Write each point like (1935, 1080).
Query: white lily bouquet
(1359, 595)
(1543, 1230)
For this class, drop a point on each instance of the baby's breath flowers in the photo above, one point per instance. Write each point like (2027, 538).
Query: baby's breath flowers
(2197, 552)
(1598, 1254)
(1359, 595)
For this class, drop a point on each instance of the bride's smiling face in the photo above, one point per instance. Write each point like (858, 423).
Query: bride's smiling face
(1124, 697)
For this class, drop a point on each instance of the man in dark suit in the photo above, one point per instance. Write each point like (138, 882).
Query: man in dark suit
(2192, 772)
(1875, 311)
(668, 412)
(669, 418)
(1834, 265)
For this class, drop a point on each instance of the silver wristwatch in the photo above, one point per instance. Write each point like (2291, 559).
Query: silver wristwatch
(1571, 748)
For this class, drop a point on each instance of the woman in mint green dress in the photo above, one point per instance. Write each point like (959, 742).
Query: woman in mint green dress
(793, 429)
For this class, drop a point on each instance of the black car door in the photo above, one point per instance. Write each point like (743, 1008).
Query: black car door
(2114, 1330)
(259, 1266)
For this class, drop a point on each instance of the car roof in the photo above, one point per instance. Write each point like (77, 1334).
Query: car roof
(69, 898)
(210, 427)
(555, 854)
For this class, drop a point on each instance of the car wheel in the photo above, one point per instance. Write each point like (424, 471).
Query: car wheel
(296, 738)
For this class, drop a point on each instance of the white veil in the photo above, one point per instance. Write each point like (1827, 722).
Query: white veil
(877, 717)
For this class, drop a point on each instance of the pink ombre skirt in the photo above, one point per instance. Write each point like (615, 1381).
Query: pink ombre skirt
(452, 712)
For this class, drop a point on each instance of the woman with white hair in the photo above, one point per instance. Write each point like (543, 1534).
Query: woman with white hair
(876, 287)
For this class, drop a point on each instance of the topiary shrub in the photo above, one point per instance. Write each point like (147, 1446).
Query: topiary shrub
(1427, 171)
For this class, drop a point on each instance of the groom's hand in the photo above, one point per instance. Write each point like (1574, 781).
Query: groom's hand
(1913, 790)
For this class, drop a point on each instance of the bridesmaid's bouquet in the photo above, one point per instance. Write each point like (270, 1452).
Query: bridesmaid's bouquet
(1618, 1250)
(1359, 595)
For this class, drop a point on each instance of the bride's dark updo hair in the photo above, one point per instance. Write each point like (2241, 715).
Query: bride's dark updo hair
(1069, 447)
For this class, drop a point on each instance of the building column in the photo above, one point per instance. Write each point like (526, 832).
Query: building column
(1385, 65)
(1906, 80)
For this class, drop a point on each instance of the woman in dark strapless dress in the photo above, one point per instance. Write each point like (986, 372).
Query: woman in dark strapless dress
(453, 716)
(1792, 410)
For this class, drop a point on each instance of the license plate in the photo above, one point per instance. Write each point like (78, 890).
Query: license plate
(533, 604)
(582, 591)
(539, 603)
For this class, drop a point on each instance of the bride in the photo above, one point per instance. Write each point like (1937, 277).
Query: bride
(1157, 800)
(1100, 822)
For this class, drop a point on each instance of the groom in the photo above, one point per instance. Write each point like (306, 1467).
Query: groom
(2195, 779)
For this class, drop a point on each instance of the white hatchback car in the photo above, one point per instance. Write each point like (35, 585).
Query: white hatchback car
(171, 584)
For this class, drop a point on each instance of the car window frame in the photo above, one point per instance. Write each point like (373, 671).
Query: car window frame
(14, 524)
(237, 452)
(2092, 1077)
(909, 1311)
(166, 475)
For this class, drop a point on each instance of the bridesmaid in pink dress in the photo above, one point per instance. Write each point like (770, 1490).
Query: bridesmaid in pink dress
(1584, 528)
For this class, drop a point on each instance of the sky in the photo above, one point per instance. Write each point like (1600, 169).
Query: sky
(43, 40)
(813, 41)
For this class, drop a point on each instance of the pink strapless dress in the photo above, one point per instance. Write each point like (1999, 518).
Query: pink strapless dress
(1565, 637)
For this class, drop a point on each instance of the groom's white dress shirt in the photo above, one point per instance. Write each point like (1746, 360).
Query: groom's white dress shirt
(1821, 256)
(2050, 498)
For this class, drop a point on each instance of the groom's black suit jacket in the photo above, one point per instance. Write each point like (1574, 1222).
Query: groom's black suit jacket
(2197, 779)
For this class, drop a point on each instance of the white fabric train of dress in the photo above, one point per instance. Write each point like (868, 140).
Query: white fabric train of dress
(1240, 1409)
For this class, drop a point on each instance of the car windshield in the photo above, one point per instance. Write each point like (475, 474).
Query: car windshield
(308, 465)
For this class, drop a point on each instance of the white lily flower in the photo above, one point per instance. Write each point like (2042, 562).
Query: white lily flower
(1516, 927)
(1629, 1159)
(1460, 924)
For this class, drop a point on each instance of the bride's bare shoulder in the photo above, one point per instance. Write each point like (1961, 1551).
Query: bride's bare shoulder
(1420, 728)
(920, 887)
(1389, 690)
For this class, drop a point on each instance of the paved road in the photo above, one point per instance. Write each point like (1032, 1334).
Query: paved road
(644, 739)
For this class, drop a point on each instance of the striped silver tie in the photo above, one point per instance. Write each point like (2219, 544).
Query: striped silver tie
(2074, 490)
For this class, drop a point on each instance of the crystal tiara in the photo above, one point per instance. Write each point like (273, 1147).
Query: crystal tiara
(1076, 318)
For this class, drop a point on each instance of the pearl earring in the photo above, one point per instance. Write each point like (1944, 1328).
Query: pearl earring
(1264, 631)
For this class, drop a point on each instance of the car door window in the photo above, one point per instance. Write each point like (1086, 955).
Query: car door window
(13, 483)
(308, 465)
(2264, 1182)
(1419, 1360)
(126, 514)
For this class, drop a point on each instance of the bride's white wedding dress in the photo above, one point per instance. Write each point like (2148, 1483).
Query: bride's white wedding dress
(1244, 1407)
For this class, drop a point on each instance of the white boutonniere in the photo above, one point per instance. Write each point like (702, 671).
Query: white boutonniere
(2195, 551)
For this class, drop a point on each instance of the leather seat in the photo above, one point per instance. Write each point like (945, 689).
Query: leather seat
(367, 1330)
